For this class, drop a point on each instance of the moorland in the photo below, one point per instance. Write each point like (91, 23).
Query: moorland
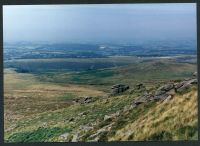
(62, 92)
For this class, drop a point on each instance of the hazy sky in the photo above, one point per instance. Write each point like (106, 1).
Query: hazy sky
(99, 23)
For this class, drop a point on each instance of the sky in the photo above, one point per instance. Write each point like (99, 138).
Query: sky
(100, 23)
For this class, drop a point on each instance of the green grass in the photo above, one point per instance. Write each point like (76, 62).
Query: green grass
(67, 97)
(39, 135)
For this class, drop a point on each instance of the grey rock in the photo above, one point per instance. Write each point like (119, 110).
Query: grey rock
(192, 81)
(159, 92)
(143, 99)
(118, 88)
(166, 87)
(180, 87)
(161, 97)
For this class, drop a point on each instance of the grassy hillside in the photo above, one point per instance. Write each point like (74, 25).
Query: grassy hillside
(42, 108)
(172, 120)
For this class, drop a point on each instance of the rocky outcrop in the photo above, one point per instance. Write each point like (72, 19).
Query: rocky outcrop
(180, 87)
(165, 92)
(144, 98)
(99, 135)
(119, 88)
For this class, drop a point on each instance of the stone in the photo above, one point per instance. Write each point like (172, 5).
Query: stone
(65, 136)
(161, 97)
(97, 136)
(192, 81)
(159, 92)
(143, 99)
(166, 87)
(178, 85)
(182, 88)
(118, 88)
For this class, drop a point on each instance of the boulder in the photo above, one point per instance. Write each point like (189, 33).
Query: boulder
(118, 88)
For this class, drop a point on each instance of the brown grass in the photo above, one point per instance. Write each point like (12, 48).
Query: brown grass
(166, 116)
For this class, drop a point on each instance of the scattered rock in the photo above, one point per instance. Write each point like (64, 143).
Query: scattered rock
(99, 134)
